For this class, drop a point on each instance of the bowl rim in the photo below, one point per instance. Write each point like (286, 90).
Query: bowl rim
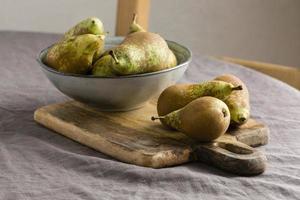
(44, 66)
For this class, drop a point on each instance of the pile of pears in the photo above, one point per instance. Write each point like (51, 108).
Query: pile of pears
(81, 51)
(204, 111)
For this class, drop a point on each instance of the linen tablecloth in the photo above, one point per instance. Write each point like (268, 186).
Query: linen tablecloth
(38, 164)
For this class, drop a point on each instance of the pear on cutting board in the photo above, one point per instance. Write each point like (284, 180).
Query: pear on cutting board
(238, 101)
(179, 95)
(204, 119)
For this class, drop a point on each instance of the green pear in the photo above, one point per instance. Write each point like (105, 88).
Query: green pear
(135, 27)
(139, 52)
(76, 54)
(179, 95)
(203, 119)
(91, 25)
(102, 67)
(238, 101)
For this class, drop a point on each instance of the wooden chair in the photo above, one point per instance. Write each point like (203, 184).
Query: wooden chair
(126, 9)
(290, 75)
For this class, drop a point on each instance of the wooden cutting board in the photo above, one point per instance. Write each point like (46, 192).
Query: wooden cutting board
(133, 138)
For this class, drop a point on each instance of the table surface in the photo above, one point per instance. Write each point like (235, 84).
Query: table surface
(38, 164)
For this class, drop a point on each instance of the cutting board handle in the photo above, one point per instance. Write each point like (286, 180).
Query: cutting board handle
(232, 156)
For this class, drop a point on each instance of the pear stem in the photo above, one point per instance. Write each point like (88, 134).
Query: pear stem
(113, 55)
(155, 118)
(134, 18)
(237, 87)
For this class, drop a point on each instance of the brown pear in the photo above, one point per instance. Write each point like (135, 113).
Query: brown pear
(203, 119)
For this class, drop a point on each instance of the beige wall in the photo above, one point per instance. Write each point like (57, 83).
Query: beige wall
(54, 15)
(265, 30)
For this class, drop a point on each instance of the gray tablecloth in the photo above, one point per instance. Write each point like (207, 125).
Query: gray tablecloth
(38, 164)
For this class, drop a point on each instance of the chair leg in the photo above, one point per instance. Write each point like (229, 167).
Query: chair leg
(125, 11)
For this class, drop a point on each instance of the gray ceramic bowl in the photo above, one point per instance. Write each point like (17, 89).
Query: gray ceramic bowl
(118, 93)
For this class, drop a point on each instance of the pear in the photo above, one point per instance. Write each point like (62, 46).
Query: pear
(203, 119)
(238, 101)
(139, 52)
(102, 67)
(91, 25)
(179, 95)
(135, 27)
(76, 54)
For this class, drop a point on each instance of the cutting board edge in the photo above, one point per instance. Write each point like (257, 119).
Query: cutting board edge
(260, 139)
(158, 160)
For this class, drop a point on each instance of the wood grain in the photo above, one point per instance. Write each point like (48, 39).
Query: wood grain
(133, 138)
